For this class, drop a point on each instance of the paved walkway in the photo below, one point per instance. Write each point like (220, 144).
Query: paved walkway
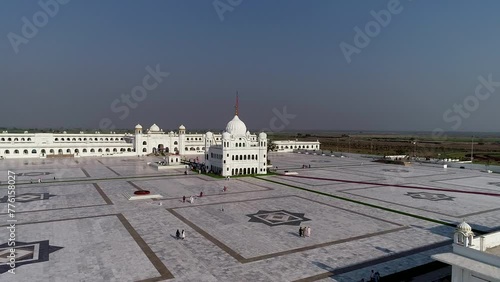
(82, 227)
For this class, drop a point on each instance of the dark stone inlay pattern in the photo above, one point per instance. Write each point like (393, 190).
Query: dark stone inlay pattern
(429, 196)
(103, 195)
(113, 171)
(276, 218)
(242, 259)
(85, 172)
(26, 253)
(155, 260)
(412, 207)
(28, 197)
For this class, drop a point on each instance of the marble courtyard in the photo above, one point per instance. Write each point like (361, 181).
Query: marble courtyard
(78, 224)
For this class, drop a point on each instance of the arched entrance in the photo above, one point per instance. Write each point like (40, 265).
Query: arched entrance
(161, 148)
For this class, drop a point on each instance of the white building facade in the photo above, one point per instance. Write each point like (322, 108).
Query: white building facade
(473, 259)
(288, 146)
(236, 150)
(238, 153)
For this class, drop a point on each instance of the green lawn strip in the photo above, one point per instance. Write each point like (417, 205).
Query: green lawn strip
(361, 203)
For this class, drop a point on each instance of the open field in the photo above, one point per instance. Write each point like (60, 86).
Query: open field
(486, 146)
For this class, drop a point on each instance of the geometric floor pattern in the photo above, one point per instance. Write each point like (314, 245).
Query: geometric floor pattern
(77, 225)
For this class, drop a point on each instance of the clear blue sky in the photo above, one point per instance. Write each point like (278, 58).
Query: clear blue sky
(275, 53)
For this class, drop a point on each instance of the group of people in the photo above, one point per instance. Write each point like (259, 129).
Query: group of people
(305, 231)
(180, 234)
(190, 200)
(306, 166)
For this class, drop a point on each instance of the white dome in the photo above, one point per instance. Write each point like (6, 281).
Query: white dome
(154, 128)
(209, 135)
(226, 136)
(236, 127)
(182, 127)
(262, 135)
(138, 126)
(464, 227)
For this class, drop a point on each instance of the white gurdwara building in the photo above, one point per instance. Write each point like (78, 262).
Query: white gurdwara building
(235, 151)
(473, 259)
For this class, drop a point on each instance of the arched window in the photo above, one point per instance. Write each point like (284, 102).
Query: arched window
(84, 139)
(107, 150)
(129, 150)
(84, 150)
(25, 152)
(144, 143)
(144, 150)
(33, 151)
(3, 139)
(197, 148)
(68, 151)
(57, 139)
(92, 150)
(74, 139)
(99, 151)
(115, 150)
(60, 151)
(51, 151)
(175, 143)
(16, 151)
(7, 152)
(9, 139)
(185, 149)
(16, 139)
(22, 139)
(77, 151)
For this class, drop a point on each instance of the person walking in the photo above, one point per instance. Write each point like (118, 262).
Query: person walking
(201, 194)
(183, 235)
(300, 231)
(177, 234)
(183, 199)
